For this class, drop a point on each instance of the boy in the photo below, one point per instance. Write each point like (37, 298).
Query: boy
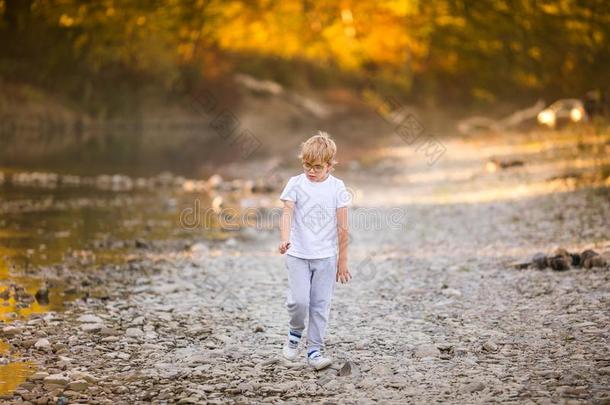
(314, 219)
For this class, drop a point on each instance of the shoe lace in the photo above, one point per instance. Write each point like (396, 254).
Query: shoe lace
(293, 344)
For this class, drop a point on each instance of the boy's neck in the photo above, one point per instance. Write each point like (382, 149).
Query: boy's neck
(322, 179)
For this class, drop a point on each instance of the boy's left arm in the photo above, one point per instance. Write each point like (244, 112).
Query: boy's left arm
(343, 274)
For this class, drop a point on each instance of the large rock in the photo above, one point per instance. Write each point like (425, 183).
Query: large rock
(82, 375)
(78, 385)
(540, 261)
(591, 258)
(56, 379)
(560, 263)
(11, 330)
(40, 375)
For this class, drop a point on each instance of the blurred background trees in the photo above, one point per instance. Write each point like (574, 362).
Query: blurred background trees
(106, 57)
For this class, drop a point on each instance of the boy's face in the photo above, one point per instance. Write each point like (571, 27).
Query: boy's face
(316, 171)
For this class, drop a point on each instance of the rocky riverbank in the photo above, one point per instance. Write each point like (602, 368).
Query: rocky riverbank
(436, 310)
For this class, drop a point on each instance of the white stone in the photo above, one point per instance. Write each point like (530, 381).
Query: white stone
(78, 385)
(134, 332)
(88, 318)
(91, 327)
(43, 344)
(57, 379)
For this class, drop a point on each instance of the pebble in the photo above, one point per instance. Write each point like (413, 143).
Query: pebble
(134, 332)
(11, 330)
(490, 346)
(345, 370)
(91, 327)
(56, 379)
(43, 344)
(512, 336)
(474, 386)
(88, 318)
(39, 375)
(427, 350)
(78, 385)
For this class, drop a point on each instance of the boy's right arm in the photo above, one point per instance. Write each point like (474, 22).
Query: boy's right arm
(285, 224)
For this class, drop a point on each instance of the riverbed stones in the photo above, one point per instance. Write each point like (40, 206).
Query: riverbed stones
(562, 260)
(203, 349)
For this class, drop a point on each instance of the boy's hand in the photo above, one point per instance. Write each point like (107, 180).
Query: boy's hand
(343, 274)
(284, 246)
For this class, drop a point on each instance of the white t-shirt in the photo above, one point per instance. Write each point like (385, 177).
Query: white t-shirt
(313, 234)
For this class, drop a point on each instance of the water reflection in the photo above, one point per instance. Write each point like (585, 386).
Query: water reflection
(12, 374)
(43, 227)
(79, 227)
(14, 287)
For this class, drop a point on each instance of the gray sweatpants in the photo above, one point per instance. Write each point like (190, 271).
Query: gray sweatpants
(311, 283)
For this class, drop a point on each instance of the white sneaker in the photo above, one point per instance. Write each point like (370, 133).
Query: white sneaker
(291, 347)
(317, 361)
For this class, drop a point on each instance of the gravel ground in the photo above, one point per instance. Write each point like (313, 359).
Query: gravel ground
(436, 310)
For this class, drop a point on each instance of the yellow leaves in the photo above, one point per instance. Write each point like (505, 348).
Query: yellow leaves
(346, 16)
(568, 64)
(527, 79)
(483, 94)
(449, 62)
(342, 48)
(388, 45)
(348, 23)
(535, 53)
(400, 8)
(449, 20)
(550, 8)
(66, 21)
(598, 37)
(349, 34)
(185, 51)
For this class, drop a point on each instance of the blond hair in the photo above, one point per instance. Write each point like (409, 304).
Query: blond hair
(319, 148)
